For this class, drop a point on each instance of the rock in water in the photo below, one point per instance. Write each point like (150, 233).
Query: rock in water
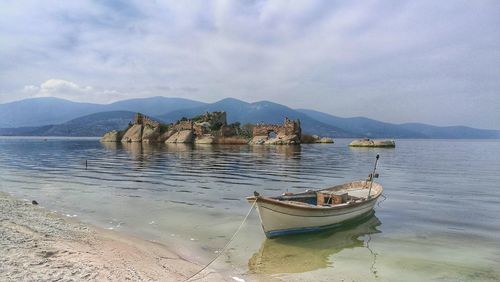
(325, 140)
(133, 134)
(150, 134)
(34, 202)
(205, 139)
(373, 143)
(184, 136)
(112, 136)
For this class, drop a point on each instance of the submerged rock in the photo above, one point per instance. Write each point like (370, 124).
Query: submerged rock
(373, 143)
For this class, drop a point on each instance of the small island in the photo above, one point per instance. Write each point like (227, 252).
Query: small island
(211, 128)
(373, 143)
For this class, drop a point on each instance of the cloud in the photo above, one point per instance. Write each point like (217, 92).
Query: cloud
(60, 88)
(30, 89)
(65, 89)
(54, 87)
(327, 55)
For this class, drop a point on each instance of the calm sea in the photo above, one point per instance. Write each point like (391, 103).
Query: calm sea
(440, 219)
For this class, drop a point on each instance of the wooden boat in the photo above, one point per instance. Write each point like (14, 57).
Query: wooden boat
(315, 210)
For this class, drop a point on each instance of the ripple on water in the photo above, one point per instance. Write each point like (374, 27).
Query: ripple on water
(442, 200)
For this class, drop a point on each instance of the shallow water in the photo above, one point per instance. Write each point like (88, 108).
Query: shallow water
(440, 220)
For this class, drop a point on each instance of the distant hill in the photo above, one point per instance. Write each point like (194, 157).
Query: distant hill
(90, 125)
(365, 127)
(58, 117)
(451, 132)
(43, 111)
(153, 106)
(48, 110)
(263, 111)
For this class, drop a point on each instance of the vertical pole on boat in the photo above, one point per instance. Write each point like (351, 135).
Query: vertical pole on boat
(373, 175)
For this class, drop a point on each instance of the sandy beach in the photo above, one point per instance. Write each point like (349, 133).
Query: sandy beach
(39, 245)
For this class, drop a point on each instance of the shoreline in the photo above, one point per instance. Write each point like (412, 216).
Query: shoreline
(36, 244)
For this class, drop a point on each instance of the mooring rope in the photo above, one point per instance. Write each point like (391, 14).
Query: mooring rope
(227, 244)
(373, 269)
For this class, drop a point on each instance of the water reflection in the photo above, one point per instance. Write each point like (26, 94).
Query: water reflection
(286, 151)
(139, 151)
(308, 252)
(111, 145)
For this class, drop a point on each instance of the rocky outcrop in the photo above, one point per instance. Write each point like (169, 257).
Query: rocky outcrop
(259, 140)
(309, 139)
(164, 137)
(317, 139)
(205, 139)
(325, 140)
(150, 134)
(133, 134)
(112, 136)
(184, 136)
(142, 129)
(373, 143)
(278, 140)
(209, 128)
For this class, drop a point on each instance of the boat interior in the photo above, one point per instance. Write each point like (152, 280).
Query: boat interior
(344, 194)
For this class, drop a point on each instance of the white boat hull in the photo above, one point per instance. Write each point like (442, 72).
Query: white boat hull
(279, 218)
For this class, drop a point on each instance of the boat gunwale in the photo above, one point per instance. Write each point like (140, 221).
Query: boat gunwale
(272, 201)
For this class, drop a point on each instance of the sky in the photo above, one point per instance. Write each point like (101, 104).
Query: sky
(435, 62)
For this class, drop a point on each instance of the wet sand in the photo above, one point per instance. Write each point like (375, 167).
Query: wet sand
(38, 245)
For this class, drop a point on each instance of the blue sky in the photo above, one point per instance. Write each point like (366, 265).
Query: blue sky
(399, 61)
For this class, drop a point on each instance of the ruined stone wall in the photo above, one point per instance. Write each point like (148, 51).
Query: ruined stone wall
(183, 125)
(138, 118)
(289, 127)
(292, 127)
(261, 129)
(145, 120)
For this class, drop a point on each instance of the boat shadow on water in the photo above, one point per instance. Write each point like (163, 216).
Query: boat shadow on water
(307, 252)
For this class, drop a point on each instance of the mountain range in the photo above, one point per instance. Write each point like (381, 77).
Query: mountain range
(58, 117)
(48, 110)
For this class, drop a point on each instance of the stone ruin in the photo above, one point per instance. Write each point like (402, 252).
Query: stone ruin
(209, 128)
(288, 133)
(145, 120)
